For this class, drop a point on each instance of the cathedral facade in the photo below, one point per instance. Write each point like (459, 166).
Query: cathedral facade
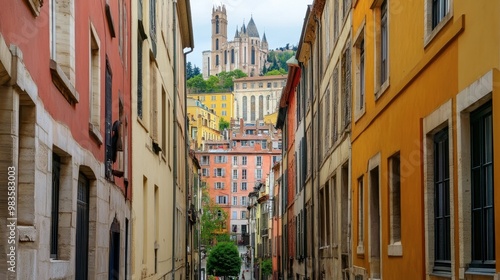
(247, 51)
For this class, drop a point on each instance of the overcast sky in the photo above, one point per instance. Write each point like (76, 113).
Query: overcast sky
(282, 21)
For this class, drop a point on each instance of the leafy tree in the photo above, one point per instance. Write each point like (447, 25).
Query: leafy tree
(267, 268)
(197, 84)
(189, 70)
(224, 260)
(212, 221)
(223, 124)
(281, 71)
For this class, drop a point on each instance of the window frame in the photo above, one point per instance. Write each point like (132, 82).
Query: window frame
(430, 30)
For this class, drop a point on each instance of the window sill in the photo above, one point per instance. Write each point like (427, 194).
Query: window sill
(359, 113)
(383, 88)
(141, 122)
(360, 250)
(95, 133)
(395, 250)
(63, 84)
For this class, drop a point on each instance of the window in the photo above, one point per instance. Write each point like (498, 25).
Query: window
(221, 199)
(224, 113)
(482, 203)
(244, 174)
(223, 97)
(234, 214)
(243, 215)
(243, 228)
(213, 97)
(95, 84)
(261, 85)
(205, 160)
(235, 187)
(62, 47)
(220, 159)
(244, 107)
(204, 172)
(82, 227)
(219, 172)
(54, 222)
(235, 202)
(324, 214)
(217, 60)
(261, 107)
(275, 84)
(244, 201)
(252, 107)
(440, 9)
(253, 55)
(269, 85)
(217, 44)
(335, 90)
(384, 43)
(442, 240)
(224, 105)
(244, 160)
(395, 202)
(235, 160)
(110, 150)
(244, 85)
(232, 56)
(359, 57)
(258, 160)
(219, 185)
(216, 24)
(152, 24)
(243, 186)
(235, 174)
(258, 174)
(361, 220)
(212, 106)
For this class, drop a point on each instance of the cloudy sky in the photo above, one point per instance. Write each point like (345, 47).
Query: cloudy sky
(282, 21)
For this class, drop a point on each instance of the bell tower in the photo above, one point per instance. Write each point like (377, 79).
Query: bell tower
(219, 39)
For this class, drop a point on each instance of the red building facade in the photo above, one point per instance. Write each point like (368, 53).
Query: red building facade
(64, 113)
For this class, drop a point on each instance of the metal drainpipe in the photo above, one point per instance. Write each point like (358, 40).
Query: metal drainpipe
(198, 225)
(174, 199)
(186, 139)
(304, 220)
(319, 123)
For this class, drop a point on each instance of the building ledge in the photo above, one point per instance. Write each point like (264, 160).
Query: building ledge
(62, 83)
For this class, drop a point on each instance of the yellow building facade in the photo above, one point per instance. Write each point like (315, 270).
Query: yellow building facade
(203, 123)
(159, 141)
(222, 103)
(424, 134)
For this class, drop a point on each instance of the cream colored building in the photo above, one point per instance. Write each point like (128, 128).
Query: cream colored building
(255, 97)
(159, 151)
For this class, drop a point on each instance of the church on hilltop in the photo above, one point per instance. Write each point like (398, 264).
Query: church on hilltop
(247, 52)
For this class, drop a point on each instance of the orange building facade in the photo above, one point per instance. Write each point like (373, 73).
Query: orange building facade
(424, 134)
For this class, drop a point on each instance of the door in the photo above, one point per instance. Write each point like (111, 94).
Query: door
(82, 228)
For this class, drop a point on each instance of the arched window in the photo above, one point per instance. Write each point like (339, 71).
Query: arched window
(252, 108)
(217, 60)
(232, 56)
(216, 44)
(261, 107)
(244, 108)
(225, 57)
(268, 100)
(216, 24)
(253, 55)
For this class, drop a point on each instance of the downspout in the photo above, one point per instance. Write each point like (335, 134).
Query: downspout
(174, 199)
(318, 31)
(198, 225)
(186, 139)
(304, 222)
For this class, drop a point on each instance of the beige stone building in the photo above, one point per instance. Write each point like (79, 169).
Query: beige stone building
(256, 97)
(159, 142)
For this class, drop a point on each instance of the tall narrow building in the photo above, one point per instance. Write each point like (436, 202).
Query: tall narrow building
(159, 142)
(65, 140)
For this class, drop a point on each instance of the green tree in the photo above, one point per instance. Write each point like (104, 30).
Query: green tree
(196, 71)
(189, 70)
(196, 84)
(267, 268)
(213, 221)
(280, 71)
(223, 124)
(224, 260)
